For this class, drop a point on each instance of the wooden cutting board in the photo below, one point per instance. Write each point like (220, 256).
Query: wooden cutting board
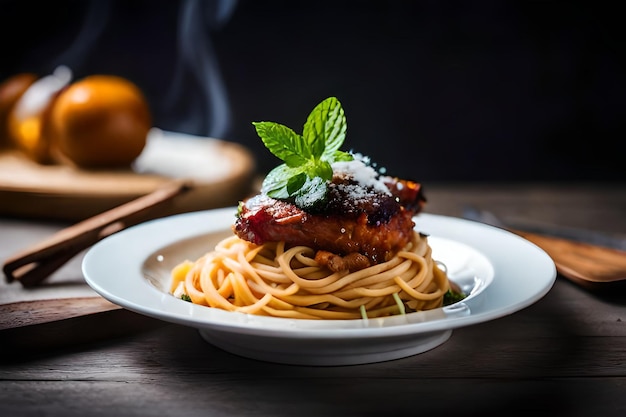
(41, 326)
(221, 171)
(31, 313)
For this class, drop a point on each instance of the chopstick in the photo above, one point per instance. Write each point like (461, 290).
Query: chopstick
(33, 265)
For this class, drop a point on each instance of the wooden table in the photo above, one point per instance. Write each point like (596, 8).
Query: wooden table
(563, 356)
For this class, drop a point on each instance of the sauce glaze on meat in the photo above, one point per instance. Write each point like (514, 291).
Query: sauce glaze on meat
(374, 220)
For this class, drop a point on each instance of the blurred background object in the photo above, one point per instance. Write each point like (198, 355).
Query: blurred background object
(101, 121)
(433, 90)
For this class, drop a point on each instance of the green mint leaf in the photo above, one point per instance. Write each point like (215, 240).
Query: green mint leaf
(311, 194)
(325, 129)
(307, 159)
(295, 183)
(283, 142)
(321, 169)
(275, 183)
(340, 156)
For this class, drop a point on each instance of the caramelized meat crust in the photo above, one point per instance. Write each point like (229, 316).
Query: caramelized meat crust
(354, 221)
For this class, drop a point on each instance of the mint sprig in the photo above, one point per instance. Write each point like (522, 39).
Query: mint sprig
(304, 175)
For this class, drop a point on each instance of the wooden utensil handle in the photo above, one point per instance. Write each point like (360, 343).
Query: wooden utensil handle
(581, 262)
(34, 264)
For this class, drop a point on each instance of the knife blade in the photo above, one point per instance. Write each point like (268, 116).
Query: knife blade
(593, 237)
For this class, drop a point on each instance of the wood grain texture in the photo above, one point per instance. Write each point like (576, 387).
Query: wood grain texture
(564, 355)
(31, 313)
(568, 345)
(586, 264)
(35, 264)
(67, 193)
(78, 327)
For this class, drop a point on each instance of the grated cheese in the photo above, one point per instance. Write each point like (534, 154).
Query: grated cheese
(362, 173)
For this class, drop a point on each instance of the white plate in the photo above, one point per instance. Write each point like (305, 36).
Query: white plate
(504, 273)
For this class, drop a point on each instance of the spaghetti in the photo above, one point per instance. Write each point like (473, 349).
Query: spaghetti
(321, 201)
(274, 280)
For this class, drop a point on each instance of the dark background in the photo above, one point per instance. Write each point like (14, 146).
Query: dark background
(432, 90)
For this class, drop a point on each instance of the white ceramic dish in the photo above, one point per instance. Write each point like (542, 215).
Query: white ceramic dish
(504, 273)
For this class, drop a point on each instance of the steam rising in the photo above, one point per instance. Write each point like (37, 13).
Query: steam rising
(197, 62)
(195, 100)
(96, 19)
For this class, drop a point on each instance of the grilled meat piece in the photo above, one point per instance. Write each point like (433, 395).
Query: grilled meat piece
(356, 219)
(352, 262)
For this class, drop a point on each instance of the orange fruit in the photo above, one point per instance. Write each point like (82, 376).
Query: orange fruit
(27, 121)
(101, 121)
(11, 90)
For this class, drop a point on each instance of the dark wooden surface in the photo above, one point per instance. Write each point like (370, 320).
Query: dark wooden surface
(563, 356)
